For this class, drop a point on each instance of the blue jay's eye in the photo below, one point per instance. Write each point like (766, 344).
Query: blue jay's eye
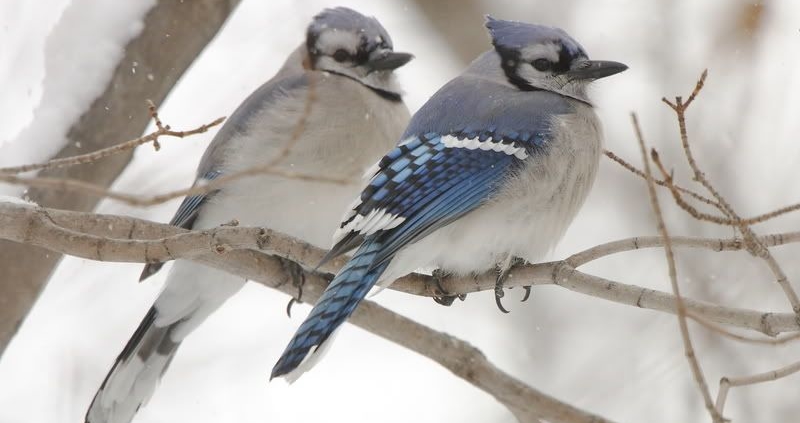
(542, 64)
(341, 55)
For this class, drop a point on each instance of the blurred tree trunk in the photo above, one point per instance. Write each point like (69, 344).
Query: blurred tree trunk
(456, 21)
(174, 34)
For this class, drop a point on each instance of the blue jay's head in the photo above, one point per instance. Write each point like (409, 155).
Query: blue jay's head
(538, 57)
(345, 42)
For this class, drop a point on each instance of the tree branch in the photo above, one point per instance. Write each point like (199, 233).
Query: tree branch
(126, 239)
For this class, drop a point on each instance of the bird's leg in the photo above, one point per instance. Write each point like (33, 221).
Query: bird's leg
(445, 299)
(503, 271)
(298, 278)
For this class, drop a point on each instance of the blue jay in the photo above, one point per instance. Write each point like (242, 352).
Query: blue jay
(346, 67)
(494, 166)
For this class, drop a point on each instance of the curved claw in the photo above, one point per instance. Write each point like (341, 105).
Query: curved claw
(503, 271)
(498, 301)
(292, 300)
(527, 293)
(298, 278)
(445, 299)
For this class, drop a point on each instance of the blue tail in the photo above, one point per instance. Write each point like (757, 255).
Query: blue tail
(335, 305)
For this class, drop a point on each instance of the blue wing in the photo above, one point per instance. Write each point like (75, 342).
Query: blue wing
(184, 218)
(429, 181)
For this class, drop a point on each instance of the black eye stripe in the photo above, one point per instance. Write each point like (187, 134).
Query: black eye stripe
(564, 60)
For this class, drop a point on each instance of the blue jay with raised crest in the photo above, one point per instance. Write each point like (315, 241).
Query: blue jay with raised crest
(345, 69)
(492, 168)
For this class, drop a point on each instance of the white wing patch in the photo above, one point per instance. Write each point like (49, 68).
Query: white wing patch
(374, 221)
(371, 171)
(450, 141)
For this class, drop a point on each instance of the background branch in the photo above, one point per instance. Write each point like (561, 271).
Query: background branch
(688, 347)
(94, 156)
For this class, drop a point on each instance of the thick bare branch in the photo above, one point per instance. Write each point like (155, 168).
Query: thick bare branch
(126, 239)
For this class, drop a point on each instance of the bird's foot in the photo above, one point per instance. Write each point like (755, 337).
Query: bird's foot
(503, 272)
(298, 278)
(446, 299)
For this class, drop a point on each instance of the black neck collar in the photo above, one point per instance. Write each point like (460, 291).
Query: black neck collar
(385, 94)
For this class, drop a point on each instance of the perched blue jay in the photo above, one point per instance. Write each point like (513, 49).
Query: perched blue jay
(494, 166)
(356, 113)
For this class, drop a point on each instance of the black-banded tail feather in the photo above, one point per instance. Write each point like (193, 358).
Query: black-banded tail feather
(136, 372)
(337, 303)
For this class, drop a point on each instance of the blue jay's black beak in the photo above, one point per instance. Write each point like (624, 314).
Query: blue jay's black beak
(388, 60)
(595, 69)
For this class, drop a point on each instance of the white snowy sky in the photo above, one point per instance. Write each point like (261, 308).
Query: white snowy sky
(624, 363)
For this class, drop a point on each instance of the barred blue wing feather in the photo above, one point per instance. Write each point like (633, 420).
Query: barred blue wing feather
(432, 179)
(184, 217)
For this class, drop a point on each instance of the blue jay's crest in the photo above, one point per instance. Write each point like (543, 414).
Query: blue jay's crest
(346, 43)
(512, 38)
(538, 57)
(371, 34)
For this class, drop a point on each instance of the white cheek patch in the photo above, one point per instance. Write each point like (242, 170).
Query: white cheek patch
(547, 51)
(374, 221)
(490, 144)
(331, 40)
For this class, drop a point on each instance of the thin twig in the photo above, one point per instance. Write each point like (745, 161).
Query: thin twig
(703, 199)
(728, 382)
(771, 215)
(300, 126)
(741, 338)
(688, 349)
(663, 183)
(160, 131)
(631, 244)
(143, 201)
(750, 238)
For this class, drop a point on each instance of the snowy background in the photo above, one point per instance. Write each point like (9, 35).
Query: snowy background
(619, 361)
